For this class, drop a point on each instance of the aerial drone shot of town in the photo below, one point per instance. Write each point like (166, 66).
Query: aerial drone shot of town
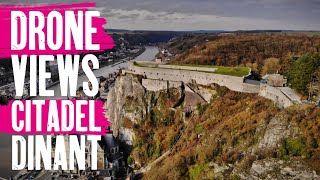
(188, 89)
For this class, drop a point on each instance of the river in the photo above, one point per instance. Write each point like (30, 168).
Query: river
(5, 148)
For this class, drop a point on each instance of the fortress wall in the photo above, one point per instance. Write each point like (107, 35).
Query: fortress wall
(158, 79)
(174, 84)
(232, 82)
(154, 85)
(275, 95)
(188, 68)
(157, 85)
(250, 88)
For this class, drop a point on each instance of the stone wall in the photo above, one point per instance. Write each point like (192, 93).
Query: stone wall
(250, 88)
(275, 94)
(157, 78)
(157, 85)
(204, 78)
(154, 85)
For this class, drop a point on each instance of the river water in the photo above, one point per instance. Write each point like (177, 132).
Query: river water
(5, 140)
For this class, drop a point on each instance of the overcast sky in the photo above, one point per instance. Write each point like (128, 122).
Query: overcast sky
(205, 14)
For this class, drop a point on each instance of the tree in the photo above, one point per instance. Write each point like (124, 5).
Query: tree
(314, 85)
(253, 66)
(301, 71)
(286, 62)
(271, 66)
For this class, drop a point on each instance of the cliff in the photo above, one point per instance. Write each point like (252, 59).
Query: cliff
(234, 136)
(126, 100)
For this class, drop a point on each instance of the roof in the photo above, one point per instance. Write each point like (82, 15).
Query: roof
(115, 156)
(290, 94)
(110, 140)
(273, 76)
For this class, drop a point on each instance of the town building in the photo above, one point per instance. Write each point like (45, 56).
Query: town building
(114, 159)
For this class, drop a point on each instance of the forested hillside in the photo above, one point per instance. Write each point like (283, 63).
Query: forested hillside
(294, 55)
(234, 50)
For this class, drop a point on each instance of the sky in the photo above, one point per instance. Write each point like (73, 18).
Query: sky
(205, 14)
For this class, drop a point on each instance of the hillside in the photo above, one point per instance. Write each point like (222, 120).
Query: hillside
(240, 49)
(144, 37)
(294, 55)
(235, 136)
(241, 136)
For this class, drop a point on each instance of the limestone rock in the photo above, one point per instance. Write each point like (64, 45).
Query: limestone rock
(126, 98)
(275, 132)
(272, 168)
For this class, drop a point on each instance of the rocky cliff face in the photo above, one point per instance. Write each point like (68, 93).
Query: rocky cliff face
(129, 103)
(127, 99)
(274, 141)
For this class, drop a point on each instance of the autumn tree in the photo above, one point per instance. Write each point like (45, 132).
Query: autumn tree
(286, 62)
(253, 66)
(240, 49)
(271, 66)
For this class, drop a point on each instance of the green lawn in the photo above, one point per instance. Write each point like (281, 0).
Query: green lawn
(224, 70)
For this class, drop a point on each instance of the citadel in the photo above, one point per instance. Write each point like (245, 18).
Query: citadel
(159, 76)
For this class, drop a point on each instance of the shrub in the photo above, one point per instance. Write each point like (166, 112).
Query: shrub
(235, 177)
(293, 147)
(199, 129)
(173, 139)
(201, 108)
(157, 152)
(198, 170)
(130, 160)
(221, 90)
